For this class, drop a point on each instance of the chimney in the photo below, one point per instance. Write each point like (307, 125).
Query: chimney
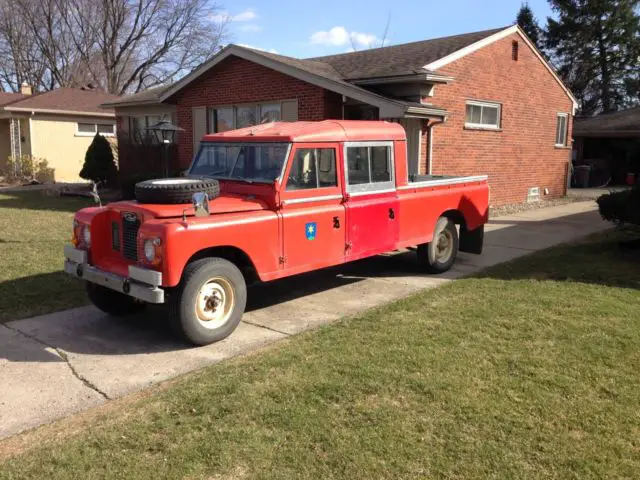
(25, 89)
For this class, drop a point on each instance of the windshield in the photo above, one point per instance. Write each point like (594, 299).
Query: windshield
(251, 162)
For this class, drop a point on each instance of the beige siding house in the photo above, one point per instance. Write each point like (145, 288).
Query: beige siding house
(57, 126)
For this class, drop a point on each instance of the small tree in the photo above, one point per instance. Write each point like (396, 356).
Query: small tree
(98, 162)
(529, 24)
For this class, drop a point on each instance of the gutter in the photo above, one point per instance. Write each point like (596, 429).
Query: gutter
(430, 147)
(59, 112)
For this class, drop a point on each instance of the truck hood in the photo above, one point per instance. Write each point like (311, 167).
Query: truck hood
(222, 204)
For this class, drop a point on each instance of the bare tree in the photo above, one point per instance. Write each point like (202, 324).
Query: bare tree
(375, 43)
(120, 46)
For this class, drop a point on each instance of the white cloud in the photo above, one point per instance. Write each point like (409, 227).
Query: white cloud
(271, 50)
(250, 28)
(340, 37)
(245, 16)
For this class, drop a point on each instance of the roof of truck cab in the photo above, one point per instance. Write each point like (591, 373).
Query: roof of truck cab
(324, 131)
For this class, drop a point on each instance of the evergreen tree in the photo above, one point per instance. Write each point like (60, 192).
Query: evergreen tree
(98, 162)
(527, 21)
(595, 45)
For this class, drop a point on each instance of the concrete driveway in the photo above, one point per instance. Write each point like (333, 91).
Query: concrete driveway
(55, 365)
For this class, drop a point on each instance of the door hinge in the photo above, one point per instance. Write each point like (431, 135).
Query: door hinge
(347, 246)
(282, 260)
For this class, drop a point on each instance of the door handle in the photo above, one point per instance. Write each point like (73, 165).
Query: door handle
(336, 222)
(392, 214)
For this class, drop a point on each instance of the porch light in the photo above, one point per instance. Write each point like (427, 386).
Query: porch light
(165, 132)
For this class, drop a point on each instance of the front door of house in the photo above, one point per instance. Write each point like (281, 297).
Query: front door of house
(413, 128)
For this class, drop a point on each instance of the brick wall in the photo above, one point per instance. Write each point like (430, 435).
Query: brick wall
(522, 154)
(235, 81)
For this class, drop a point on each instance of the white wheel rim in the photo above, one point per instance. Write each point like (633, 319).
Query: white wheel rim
(175, 181)
(444, 246)
(214, 303)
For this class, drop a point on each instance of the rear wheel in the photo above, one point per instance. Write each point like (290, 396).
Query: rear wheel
(438, 255)
(114, 303)
(209, 302)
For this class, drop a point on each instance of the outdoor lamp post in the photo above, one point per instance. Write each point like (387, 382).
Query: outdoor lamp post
(165, 132)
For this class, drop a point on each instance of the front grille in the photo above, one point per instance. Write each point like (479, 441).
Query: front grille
(130, 227)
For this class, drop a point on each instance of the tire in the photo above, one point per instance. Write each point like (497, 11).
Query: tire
(114, 303)
(432, 256)
(175, 190)
(190, 312)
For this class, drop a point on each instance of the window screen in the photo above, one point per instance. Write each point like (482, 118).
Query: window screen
(482, 115)
(313, 168)
(88, 128)
(561, 129)
(369, 167)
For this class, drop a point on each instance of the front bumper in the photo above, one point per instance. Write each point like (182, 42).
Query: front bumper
(141, 283)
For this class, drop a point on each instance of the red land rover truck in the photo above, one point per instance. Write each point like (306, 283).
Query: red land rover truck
(266, 202)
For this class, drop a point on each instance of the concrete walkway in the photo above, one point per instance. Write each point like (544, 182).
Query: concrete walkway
(55, 365)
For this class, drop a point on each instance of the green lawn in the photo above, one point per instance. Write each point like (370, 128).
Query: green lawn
(529, 371)
(33, 230)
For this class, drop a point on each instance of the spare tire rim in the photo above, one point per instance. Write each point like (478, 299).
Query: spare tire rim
(444, 246)
(214, 303)
(175, 181)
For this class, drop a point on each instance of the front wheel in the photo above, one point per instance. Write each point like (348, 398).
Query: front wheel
(438, 255)
(209, 302)
(114, 303)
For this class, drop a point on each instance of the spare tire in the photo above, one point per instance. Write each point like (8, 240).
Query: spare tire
(175, 190)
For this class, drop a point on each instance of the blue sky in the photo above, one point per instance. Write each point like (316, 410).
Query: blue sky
(306, 29)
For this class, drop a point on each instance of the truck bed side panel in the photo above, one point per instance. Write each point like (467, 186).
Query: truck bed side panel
(421, 208)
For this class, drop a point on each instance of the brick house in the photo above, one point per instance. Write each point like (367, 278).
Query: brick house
(478, 103)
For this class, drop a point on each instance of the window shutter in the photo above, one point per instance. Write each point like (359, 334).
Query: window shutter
(290, 111)
(199, 126)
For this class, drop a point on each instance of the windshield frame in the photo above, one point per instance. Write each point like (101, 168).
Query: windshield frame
(239, 179)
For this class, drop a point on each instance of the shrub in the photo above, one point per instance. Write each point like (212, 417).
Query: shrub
(99, 165)
(621, 207)
(27, 168)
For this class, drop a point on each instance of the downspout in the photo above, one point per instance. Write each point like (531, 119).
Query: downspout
(430, 144)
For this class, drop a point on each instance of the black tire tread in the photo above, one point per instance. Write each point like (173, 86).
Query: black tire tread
(150, 192)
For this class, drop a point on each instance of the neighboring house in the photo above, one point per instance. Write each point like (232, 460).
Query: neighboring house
(610, 141)
(478, 103)
(57, 126)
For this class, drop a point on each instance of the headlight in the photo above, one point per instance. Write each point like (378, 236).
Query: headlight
(151, 250)
(86, 235)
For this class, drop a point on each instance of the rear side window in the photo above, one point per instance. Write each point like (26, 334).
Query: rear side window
(369, 166)
(313, 168)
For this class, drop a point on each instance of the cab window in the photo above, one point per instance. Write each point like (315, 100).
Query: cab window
(313, 168)
(369, 166)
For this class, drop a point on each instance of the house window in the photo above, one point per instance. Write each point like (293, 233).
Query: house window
(313, 168)
(90, 129)
(514, 51)
(561, 129)
(230, 117)
(369, 167)
(138, 128)
(484, 115)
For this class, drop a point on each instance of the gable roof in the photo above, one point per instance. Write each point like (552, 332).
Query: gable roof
(403, 59)
(344, 73)
(607, 124)
(64, 101)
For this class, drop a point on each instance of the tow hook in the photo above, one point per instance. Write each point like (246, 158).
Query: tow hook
(126, 286)
(79, 271)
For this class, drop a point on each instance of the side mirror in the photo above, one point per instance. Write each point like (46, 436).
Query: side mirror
(200, 202)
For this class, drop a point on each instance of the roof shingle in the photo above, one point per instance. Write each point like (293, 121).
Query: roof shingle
(66, 100)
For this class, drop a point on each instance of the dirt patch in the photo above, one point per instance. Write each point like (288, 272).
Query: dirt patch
(525, 207)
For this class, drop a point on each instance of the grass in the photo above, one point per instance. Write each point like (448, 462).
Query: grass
(33, 231)
(527, 371)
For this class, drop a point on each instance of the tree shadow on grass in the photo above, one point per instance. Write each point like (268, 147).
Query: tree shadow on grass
(39, 200)
(609, 259)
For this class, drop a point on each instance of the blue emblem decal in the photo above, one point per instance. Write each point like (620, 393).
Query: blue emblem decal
(310, 230)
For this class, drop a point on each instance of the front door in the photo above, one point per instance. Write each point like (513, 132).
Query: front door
(372, 204)
(313, 211)
(413, 127)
